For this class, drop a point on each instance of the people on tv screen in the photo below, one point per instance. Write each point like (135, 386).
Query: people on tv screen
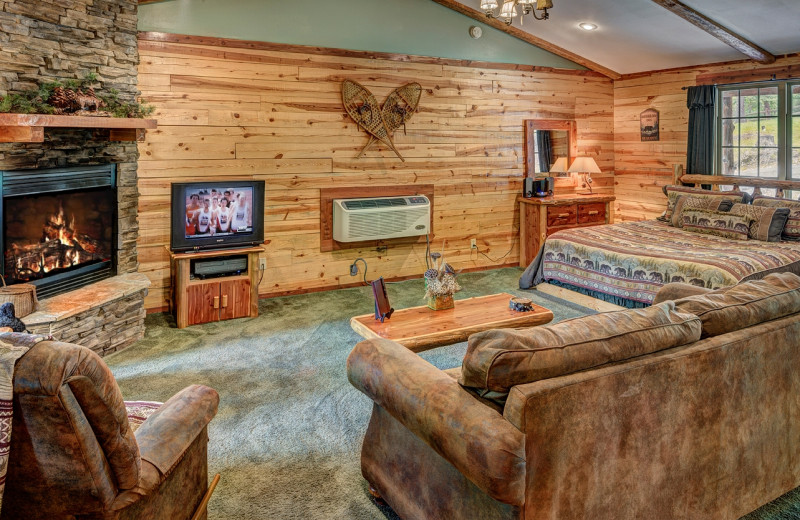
(218, 212)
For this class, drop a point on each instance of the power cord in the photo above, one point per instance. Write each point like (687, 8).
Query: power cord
(513, 243)
(427, 251)
(354, 269)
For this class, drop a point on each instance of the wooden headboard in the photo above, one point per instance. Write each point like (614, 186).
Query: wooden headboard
(716, 181)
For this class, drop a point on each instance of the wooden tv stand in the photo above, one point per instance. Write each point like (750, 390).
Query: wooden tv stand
(196, 300)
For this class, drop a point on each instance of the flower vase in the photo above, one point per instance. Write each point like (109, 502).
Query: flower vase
(439, 303)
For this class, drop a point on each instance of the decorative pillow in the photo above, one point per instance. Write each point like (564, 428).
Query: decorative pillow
(792, 229)
(686, 202)
(674, 192)
(717, 223)
(768, 222)
(497, 360)
(748, 303)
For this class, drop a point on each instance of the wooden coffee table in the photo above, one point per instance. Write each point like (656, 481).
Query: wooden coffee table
(420, 328)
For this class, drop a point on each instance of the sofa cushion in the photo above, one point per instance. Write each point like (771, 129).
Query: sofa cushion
(497, 360)
(748, 303)
(768, 222)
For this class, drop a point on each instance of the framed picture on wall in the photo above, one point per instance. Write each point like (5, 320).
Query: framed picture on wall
(648, 124)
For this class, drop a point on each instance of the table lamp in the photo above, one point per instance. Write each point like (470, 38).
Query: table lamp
(587, 166)
(559, 167)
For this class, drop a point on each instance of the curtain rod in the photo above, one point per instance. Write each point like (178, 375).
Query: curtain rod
(773, 78)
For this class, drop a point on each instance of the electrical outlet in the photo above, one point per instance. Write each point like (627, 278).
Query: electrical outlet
(353, 269)
(262, 264)
(473, 244)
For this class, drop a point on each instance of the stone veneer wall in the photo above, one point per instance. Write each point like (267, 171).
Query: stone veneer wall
(43, 40)
(104, 329)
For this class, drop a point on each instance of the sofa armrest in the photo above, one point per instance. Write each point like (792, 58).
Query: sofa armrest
(677, 290)
(472, 436)
(165, 435)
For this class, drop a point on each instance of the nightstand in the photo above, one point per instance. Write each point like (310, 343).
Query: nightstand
(540, 217)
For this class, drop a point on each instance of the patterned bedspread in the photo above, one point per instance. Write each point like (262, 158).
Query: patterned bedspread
(632, 260)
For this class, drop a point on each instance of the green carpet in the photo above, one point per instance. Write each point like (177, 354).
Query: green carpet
(288, 434)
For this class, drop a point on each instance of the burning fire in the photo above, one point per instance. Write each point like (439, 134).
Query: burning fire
(60, 247)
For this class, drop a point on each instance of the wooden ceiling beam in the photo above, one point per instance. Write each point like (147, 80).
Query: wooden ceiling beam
(725, 35)
(527, 37)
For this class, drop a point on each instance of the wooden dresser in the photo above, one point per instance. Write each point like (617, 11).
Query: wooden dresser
(540, 217)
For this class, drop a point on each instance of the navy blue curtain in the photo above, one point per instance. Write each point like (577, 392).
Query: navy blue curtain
(700, 150)
(544, 147)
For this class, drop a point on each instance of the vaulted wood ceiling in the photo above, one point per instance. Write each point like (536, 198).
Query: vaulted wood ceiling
(642, 35)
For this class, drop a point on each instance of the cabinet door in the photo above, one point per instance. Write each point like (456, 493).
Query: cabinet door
(235, 298)
(201, 300)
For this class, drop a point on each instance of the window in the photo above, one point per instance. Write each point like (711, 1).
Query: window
(758, 130)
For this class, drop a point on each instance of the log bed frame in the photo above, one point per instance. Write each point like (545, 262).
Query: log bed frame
(716, 181)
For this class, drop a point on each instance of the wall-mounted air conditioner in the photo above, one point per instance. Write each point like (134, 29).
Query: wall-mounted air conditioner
(380, 217)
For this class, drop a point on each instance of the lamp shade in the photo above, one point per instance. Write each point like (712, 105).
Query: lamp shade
(560, 166)
(584, 165)
(509, 9)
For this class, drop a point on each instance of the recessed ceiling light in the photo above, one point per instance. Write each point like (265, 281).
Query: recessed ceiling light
(586, 26)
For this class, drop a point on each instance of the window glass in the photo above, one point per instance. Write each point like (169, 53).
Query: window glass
(751, 140)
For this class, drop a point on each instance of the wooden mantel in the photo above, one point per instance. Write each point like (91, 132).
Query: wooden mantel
(29, 128)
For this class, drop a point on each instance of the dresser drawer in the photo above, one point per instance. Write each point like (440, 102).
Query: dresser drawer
(562, 215)
(593, 212)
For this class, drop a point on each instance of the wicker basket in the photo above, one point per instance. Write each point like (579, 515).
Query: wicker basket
(22, 295)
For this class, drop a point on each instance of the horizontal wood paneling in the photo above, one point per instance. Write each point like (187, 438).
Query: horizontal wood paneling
(642, 168)
(265, 113)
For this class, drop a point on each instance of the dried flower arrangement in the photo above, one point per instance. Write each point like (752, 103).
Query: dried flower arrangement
(75, 97)
(440, 284)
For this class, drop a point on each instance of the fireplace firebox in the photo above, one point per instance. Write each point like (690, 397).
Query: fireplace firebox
(59, 227)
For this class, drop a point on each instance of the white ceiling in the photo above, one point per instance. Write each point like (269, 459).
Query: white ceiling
(640, 35)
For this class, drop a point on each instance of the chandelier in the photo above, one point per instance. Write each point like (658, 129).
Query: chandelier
(509, 9)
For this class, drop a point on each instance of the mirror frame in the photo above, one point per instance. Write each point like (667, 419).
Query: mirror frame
(531, 125)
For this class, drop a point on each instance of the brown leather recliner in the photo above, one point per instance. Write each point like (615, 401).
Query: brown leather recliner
(74, 455)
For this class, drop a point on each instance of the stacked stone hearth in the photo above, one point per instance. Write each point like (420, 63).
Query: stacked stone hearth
(43, 40)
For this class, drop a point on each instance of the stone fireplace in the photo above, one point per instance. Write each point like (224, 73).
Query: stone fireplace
(45, 40)
(59, 227)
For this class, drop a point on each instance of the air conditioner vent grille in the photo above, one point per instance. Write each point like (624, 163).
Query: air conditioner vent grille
(380, 218)
(374, 203)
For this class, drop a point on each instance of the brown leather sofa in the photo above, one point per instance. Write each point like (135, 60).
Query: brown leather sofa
(74, 455)
(686, 409)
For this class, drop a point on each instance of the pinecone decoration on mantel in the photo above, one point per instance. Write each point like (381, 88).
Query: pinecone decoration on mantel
(68, 101)
(64, 100)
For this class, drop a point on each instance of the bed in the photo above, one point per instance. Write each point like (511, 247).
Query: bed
(627, 263)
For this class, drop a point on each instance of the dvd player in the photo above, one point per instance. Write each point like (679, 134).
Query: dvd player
(228, 266)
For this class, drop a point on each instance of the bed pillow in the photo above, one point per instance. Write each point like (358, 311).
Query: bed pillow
(686, 202)
(768, 222)
(717, 223)
(792, 229)
(674, 192)
(497, 360)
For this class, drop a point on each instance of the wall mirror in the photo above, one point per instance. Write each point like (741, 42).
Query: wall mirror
(550, 146)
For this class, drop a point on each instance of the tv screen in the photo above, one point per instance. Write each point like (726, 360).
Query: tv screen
(217, 214)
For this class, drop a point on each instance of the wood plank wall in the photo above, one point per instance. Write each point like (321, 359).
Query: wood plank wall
(642, 168)
(229, 110)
